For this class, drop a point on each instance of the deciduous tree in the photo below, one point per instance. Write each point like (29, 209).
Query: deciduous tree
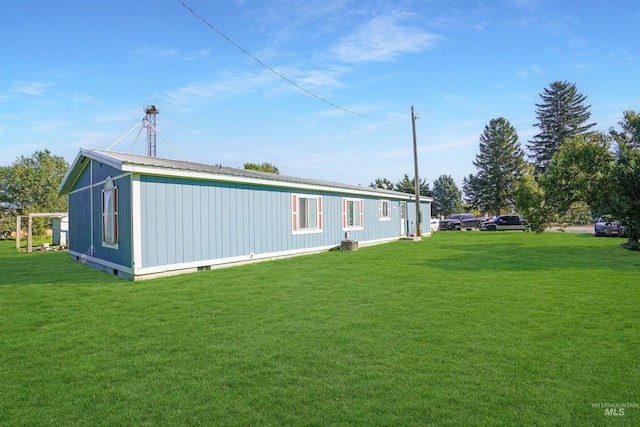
(581, 170)
(264, 167)
(31, 185)
(626, 204)
(531, 201)
(584, 169)
(579, 174)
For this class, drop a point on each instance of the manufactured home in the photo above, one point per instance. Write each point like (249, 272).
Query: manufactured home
(140, 217)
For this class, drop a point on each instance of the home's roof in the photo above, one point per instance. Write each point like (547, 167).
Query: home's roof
(128, 162)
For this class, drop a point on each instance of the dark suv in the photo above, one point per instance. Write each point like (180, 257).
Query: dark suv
(477, 222)
(507, 222)
(605, 226)
(453, 222)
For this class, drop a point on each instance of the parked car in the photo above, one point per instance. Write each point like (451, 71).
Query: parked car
(476, 222)
(605, 226)
(453, 221)
(434, 224)
(507, 222)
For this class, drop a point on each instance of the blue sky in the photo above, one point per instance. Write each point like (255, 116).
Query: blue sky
(79, 73)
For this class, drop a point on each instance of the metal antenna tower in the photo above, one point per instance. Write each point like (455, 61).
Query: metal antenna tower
(150, 123)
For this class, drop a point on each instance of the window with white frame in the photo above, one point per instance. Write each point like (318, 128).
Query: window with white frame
(110, 214)
(352, 214)
(384, 211)
(306, 214)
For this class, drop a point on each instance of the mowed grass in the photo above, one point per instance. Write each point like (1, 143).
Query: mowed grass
(459, 329)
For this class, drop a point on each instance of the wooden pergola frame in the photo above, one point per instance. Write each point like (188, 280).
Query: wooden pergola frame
(30, 217)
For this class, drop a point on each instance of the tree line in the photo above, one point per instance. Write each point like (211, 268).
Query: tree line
(30, 185)
(570, 168)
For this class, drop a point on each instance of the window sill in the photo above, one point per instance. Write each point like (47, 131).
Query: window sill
(314, 231)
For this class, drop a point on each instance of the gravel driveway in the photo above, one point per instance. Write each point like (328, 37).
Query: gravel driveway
(574, 229)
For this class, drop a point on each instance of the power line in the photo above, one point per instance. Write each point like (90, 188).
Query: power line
(142, 124)
(268, 67)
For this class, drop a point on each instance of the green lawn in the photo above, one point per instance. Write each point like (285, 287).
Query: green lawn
(459, 329)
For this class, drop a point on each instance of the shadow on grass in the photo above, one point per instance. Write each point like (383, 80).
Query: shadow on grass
(468, 252)
(576, 252)
(42, 268)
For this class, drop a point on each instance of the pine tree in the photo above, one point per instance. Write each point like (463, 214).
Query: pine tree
(406, 185)
(500, 165)
(382, 183)
(447, 197)
(561, 115)
(630, 134)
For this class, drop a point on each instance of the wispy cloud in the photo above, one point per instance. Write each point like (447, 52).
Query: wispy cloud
(30, 88)
(45, 93)
(292, 18)
(80, 98)
(231, 84)
(383, 38)
(95, 139)
(621, 56)
(316, 78)
(165, 53)
(154, 52)
(530, 71)
(196, 54)
(239, 83)
(48, 126)
(122, 115)
(58, 74)
(584, 66)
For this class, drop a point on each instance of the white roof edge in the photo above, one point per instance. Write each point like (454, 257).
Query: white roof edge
(69, 171)
(161, 171)
(98, 155)
(285, 181)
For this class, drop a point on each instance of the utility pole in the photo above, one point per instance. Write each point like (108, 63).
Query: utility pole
(417, 178)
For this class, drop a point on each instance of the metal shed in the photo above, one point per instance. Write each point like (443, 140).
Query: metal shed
(60, 228)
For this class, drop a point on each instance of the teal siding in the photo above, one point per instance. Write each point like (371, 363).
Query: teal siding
(85, 215)
(426, 217)
(123, 255)
(101, 171)
(188, 220)
(185, 220)
(79, 221)
(425, 207)
(84, 180)
(178, 229)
